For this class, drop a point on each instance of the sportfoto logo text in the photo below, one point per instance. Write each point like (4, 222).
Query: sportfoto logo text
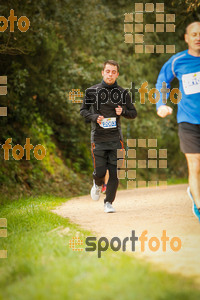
(102, 95)
(116, 244)
(18, 151)
(23, 22)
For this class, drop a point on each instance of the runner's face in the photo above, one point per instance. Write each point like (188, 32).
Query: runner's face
(110, 74)
(192, 38)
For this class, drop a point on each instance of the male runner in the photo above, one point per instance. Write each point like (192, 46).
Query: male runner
(103, 105)
(185, 66)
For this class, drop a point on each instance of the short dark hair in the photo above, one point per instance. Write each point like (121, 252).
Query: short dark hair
(111, 62)
(186, 29)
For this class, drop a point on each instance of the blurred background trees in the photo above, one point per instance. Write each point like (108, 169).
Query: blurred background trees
(64, 49)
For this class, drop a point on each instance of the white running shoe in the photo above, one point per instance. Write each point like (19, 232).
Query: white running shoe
(108, 208)
(95, 192)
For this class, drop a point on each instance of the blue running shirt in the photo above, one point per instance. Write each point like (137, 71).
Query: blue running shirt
(186, 68)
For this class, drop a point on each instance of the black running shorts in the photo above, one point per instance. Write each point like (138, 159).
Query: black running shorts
(105, 153)
(189, 135)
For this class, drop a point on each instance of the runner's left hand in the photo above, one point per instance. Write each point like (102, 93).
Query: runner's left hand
(118, 110)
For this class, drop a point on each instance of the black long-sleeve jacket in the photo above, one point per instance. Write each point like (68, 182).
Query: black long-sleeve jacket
(102, 99)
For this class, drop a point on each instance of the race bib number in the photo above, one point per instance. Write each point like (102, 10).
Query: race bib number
(108, 123)
(191, 83)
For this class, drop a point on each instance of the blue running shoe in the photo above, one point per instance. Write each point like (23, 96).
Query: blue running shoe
(194, 207)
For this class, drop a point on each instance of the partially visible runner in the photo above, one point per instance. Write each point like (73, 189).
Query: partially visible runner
(185, 66)
(102, 102)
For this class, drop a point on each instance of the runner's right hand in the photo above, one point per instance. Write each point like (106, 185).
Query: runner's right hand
(99, 119)
(164, 111)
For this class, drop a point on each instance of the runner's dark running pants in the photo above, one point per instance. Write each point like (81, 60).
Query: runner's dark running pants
(104, 160)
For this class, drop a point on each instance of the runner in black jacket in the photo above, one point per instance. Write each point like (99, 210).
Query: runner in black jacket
(103, 105)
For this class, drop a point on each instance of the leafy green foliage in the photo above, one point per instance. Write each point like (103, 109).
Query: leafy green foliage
(64, 48)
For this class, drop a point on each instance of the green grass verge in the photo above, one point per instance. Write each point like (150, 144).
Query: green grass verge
(40, 264)
(177, 181)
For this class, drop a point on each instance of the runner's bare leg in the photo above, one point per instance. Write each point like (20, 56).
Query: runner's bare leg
(193, 161)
